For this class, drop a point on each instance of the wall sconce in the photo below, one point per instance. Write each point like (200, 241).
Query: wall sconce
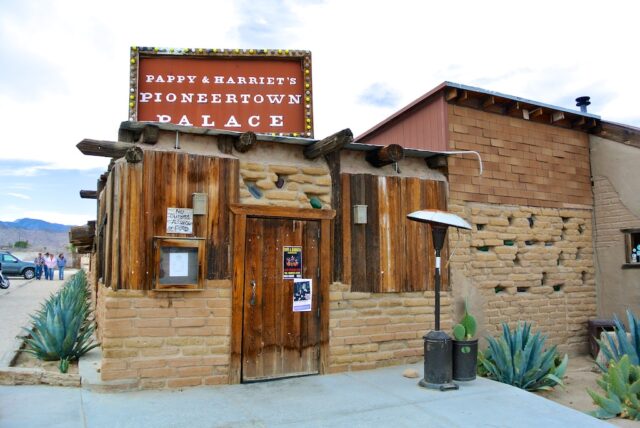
(359, 214)
(199, 204)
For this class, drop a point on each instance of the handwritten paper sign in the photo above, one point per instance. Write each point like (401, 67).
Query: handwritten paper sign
(179, 220)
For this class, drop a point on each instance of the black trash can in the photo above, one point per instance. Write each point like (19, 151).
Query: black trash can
(465, 360)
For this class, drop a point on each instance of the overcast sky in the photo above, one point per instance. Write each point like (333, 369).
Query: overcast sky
(64, 68)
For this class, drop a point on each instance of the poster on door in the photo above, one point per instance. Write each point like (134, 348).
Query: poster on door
(302, 291)
(292, 262)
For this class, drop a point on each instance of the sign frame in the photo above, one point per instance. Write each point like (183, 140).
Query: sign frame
(138, 54)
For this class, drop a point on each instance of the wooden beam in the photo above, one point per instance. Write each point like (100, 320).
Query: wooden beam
(437, 162)
(489, 101)
(385, 155)
(533, 114)
(330, 144)
(557, 116)
(578, 123)
(84, 249)
(451, 94)
(82, 235)
(88, 194)
(150, 134)
(245, 142)
(134, 154)
(108, 149)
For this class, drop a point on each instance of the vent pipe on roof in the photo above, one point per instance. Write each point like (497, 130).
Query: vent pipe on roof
(583, 102)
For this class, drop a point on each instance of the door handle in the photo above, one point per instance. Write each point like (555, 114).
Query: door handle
(252, 301)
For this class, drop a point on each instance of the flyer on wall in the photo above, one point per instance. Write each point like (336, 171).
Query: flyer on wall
(302, 292)
(292, 262)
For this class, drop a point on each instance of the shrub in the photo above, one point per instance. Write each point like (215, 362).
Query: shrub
(621, 384)
(614, 350)
(62, 328)
(517, 358)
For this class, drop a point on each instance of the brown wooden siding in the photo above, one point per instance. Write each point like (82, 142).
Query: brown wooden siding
(423, 128)
(389, 253)
(135, 203)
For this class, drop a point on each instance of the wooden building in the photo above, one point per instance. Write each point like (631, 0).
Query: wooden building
(228, 318)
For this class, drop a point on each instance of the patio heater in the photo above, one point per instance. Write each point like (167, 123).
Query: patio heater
(438, 366)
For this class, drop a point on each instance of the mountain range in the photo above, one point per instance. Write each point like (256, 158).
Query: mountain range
(41, 235)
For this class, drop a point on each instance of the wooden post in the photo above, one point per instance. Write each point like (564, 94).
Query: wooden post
(330, 144)
(245, 142)
(385, 155)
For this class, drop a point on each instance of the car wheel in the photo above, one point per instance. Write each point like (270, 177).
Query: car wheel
(29, 273)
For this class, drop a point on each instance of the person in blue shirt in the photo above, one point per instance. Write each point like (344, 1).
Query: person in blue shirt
(61, 262)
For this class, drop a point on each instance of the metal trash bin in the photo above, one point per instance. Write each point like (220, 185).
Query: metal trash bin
(594, 328)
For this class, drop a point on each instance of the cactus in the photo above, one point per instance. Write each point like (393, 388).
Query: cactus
(621, 384)
(517, 359)
(614, 350)
(62, 328)
(466, 329)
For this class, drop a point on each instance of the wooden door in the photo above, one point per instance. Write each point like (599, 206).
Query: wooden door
(277, 342)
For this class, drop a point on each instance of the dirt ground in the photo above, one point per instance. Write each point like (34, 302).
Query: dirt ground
(26, 360)
(581, 374)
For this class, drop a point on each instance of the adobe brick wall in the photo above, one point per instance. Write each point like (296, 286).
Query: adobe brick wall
(525, 163)
(528, 264)
(301, 183)
(370, 330)
(163, 339)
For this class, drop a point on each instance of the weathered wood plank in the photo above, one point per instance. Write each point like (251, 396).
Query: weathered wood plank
(372, 234)
(332, 143)
(283, 212)
(333, 161)
(359, 248)
(346, 228)
(237, 299)
(325, 278)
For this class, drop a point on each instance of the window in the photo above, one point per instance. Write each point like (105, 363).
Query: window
(632, 248)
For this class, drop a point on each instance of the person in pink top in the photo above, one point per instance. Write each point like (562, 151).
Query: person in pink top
(49, 263)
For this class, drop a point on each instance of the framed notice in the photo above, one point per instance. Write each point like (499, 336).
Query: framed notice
(292, 262)
(302, 292)
(178, 263)
(267, 91)
(179, 220)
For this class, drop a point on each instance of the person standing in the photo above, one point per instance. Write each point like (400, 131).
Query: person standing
(61, 262)
(39, 262)
(50, 264)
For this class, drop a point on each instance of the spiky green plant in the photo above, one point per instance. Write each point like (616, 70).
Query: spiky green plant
(517, 358)
(62, 329)
(621, 384)
(614, 350)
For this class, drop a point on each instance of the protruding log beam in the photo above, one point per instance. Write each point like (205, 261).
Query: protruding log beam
(88, 194)
(150, 134)
(134, 155)
(436, 162)
(557, 116)
(533, 114)
(578, 123)
(385, 155)
(489, 101)
(108, 149)
(451, 94)
(330, 144)
(84, 249)
(82, 235)
(245, 142)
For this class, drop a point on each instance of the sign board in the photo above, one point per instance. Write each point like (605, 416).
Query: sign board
(179, 220)
(259, 90)
(302, 292)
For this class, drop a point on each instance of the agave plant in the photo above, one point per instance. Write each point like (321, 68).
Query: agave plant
(625, 343)
(62, 328)
(621, 384)
(517, 358)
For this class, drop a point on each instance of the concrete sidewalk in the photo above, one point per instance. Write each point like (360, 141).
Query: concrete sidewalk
(376, 398)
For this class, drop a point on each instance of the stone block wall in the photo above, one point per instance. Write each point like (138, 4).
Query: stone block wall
(526, 264)
(165, 339)
(370, 330)
(284, 185)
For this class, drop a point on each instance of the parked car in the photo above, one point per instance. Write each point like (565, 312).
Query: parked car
(13, 266)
